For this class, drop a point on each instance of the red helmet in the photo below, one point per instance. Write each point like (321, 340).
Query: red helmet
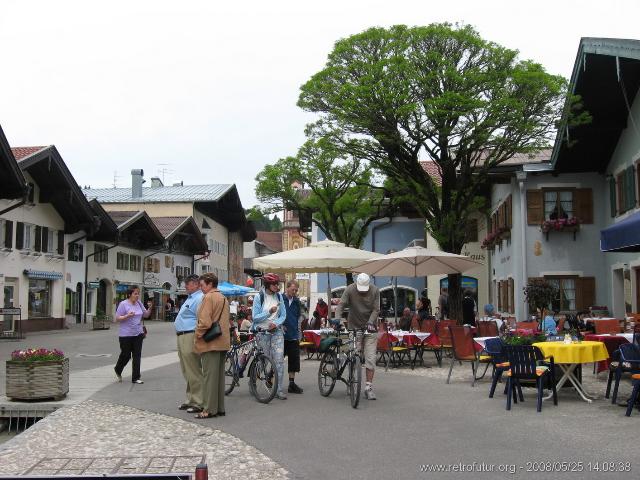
(270, 278)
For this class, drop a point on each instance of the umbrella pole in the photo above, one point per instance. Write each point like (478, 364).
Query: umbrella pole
(329, 295)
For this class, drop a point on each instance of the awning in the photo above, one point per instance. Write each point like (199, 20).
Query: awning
(623, 236)
(42, 275)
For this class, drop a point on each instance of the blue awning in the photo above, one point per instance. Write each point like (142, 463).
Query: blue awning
(42, 275)
(623, 236)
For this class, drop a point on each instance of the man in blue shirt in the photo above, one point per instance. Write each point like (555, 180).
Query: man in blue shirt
(185, 324)
(292, 334)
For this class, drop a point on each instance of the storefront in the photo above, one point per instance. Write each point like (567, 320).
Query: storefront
(41, 285)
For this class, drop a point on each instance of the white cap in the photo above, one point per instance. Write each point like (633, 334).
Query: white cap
(362, 282)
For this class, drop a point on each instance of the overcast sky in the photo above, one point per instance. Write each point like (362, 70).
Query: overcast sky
(210, 88)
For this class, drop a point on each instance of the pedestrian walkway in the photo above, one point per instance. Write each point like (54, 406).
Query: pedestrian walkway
(102, 438)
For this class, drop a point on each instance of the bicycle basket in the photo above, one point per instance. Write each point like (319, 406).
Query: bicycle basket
(326, 343)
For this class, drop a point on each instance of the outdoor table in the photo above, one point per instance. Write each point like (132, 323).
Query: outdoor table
(409, 338)
(316, 335)
(612, 343)
(569, 356)
(481, 341)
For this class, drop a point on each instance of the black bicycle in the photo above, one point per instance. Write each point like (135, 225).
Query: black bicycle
(263, 376)
(335, 361)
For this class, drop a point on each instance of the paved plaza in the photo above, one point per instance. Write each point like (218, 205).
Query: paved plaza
(418, 421)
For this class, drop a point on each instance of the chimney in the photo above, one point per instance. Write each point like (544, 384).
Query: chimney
(136, 183)
(156, 182)
(179, 184)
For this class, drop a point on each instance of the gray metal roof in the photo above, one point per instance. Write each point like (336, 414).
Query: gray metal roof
(184, 193)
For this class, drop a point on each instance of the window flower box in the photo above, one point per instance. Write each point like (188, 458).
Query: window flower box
(571, 225)
(495, 238)
(37, 374)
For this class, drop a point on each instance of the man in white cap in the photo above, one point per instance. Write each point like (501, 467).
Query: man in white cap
(363, 301)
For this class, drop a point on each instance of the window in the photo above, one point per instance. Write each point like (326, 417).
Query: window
(28, 230)
(51, 235)
(566, 294)
(168, 261)
(39, 298)
(156, 265)
(135, 263)
(179, 271)
(186, 271)
(76, 252)
(626, 190)
(205, 268)
(558, 204)
(122, 261)
(101, 253)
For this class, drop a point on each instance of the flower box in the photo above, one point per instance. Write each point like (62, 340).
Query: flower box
(37, 375)
(571, 225)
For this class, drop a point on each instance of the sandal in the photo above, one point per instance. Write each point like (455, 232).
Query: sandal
(184, 406)
(203, 415)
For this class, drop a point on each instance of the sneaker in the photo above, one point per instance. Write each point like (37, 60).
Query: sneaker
(369, 395)
(293, 388)
(140, 382)
(118, 378)
(281, 396)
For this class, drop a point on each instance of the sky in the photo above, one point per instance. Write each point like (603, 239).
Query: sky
(204, 91)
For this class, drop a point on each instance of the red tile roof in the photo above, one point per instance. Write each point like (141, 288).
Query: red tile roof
(432, 170)
(273, 240)
(23, 152)
(119, 217)
(166, 225)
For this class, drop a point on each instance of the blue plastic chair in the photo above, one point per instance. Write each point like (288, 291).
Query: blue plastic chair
(526, 362)
(625, 359)
(495, 348)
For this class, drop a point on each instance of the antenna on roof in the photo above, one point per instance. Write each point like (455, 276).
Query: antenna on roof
(115, 179)
(164, 170)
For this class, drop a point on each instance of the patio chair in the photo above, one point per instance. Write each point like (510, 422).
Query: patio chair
(625, 359)
(432, 343)
(607, 326)
(494, 347)
(465, 351)
(634, 394)
(526, 325)
(526, 362)
(487, 328)
(390, 353)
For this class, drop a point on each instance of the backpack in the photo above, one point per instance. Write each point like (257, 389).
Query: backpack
(262, 297)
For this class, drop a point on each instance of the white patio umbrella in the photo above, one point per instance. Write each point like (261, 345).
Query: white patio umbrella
(416, 262)
(325, 256)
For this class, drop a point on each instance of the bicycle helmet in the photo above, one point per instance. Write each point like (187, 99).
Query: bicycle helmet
(270, 279)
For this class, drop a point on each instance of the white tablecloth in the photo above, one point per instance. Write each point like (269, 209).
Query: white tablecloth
(482, 340)
(596, 319)
(628, 336)
(399, 334)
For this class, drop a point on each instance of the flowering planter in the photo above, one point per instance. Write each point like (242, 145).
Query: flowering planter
(37, 380)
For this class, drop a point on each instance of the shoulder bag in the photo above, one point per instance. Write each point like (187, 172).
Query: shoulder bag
(214, 330)
(144, 328)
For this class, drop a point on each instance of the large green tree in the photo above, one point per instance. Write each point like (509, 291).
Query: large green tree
(261, 220)
(400, 95)
(338, 193)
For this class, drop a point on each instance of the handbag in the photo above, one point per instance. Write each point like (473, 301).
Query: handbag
(144, 328)
(215, 330)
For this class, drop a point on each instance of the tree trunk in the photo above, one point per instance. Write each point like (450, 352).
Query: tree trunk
(455, 297)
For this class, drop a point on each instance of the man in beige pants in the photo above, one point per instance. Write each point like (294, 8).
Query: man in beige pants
(185, 324)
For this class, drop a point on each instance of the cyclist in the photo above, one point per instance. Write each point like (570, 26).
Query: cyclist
(269, 313)
(363, 301)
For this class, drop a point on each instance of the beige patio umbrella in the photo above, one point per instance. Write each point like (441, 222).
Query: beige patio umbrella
(325, 256)
(416, 262)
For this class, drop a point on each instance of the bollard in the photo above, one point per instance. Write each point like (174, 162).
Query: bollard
(202, 472)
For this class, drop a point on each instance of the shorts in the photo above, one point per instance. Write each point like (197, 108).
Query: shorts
(370, 349)
(292, 352)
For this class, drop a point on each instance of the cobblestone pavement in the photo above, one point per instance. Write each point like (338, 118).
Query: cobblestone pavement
(98, 438)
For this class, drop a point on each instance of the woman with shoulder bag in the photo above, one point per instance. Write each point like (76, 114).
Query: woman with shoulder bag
(212, 341)
(129, 314)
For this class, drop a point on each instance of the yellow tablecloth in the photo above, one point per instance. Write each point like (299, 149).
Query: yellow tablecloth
(584, 352)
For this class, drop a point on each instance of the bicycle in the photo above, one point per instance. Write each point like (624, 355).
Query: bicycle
(263, 376)
(334, 362)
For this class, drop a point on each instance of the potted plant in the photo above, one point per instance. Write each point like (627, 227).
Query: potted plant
(560, 225)
(37, 374)
(539, 294)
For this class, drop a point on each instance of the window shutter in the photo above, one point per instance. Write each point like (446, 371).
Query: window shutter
(19, 235)
(60, 242)
(156, 265)
(583, 205)
(38, 238)
(612, 196)
(535, 207)
(8, 233)
(45, 240)
(80, 248)
(585, 292)
(630, 195)
(509, 212)
(511, 308)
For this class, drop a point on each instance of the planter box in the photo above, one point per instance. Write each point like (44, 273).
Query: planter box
(37, 380)
(102, 322)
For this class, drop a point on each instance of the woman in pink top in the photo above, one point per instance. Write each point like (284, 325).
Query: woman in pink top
(129, 314)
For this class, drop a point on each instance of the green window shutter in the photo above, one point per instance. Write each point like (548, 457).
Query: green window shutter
(612, 195)
(631, 189)
(8, 233)
(38, 238)
(45, 239)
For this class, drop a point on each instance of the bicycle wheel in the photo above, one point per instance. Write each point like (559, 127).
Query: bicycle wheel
(230, 372)
(355, 380)
(327, 373)
(263, 379)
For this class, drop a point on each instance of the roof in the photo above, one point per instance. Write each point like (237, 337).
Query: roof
(272, 240)
(433, 170)
(120, 217)
(12, 182)
(167, 225)
(178, 193)
(606, 76)
(137, 229)
(23, 152)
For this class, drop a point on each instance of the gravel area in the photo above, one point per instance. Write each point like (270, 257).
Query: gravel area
(96, 438)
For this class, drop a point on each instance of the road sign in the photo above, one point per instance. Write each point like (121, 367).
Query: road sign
(94, 284)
